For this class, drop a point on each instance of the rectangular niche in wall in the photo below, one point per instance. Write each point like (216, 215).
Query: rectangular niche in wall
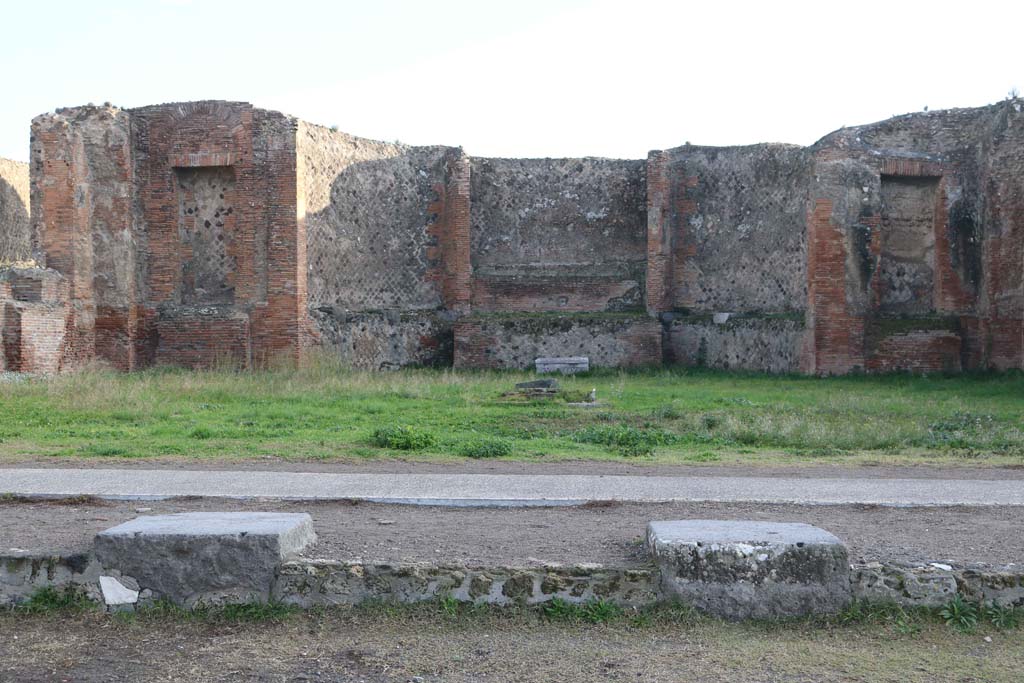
(907, 263)
(206, 219)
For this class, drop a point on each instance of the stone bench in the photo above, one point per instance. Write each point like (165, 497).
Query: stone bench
(209, 557)
(742, 570)
(568, 365)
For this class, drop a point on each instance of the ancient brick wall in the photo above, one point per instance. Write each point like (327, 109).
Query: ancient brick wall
(558, 234)
(209, 232)
(907, 268)
(727, 234)
(734, 221)
(216, 201)
(82, 224)
(15, 230)
(163, 216)
(33, 319)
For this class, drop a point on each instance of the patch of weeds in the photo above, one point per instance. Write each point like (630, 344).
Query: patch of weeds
(819, 452)
(673, 613)
(560, 610)
(1003, 617)
(574, 396)
(201, 433)
(626, 440)
(592, 611)
(101, 450)
(254, 612)
(403, 438)
(960, 614)
(542, 413)
(958, 429)
(600, 611)
(449, 606)
(710, 421)
(161, 608)
(50, 599)
(733, 401)
(667, 412)
(868, 611)
(706, 456)
(516, 432)
(484, 448)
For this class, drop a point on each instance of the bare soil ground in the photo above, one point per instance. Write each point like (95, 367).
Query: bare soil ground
(341, 645)
(604, 533)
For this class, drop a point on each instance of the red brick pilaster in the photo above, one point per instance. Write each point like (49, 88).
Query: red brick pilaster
(659, 234)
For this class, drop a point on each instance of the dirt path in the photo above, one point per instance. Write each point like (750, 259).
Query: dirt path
(403, 647)
(608, 534)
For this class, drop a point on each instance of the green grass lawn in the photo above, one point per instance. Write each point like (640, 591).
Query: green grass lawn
(656, 416)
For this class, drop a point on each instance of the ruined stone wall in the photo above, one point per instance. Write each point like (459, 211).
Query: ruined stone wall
(376, 220)
(176, 228)
(515, 341)
(734, 225)
(370, 214)
(907, 265)
(558, 234)
(727, 235)
(221, 251)
(739, 342)
(82, 225)
(202, 232)
(15, 231)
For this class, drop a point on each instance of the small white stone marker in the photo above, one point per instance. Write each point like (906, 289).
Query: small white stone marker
(115, 594)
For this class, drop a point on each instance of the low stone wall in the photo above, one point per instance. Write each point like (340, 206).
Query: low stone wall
(763, 344)
(324, 582)
(515, 341)
(387, 339)
(311, 582)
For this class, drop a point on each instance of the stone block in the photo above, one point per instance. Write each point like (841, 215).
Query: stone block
(568, 365)
(209, 557)
(746, 569)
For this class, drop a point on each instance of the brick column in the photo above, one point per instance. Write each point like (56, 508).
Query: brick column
(838, 335)
(455, 238)
(659, 237)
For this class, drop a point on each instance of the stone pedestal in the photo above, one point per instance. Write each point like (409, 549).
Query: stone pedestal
(210, 557)
(742, 570)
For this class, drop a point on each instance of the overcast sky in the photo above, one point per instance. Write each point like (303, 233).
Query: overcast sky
(522, 77)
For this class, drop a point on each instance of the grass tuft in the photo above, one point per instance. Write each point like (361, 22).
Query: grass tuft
(403, 438)
(52, 600)
(484, 448)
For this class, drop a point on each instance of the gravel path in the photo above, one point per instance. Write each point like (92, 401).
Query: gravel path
(608, 534)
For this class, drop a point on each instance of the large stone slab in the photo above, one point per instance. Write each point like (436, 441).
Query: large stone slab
(210, 557)
(760, 570)
(567, 365)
